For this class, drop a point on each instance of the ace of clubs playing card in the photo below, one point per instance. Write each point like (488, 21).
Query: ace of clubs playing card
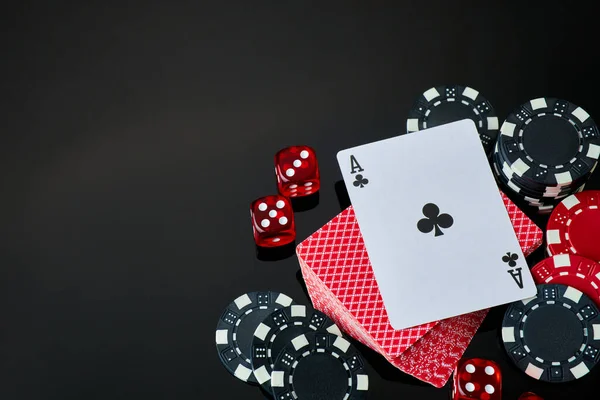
(439, 238)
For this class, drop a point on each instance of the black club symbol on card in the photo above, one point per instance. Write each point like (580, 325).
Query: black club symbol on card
(515, 273)
(360, 181)
(510, 259)
(434, 220)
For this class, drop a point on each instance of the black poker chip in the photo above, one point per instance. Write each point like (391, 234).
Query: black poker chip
(449, 103)
(236, 328)
(318, 365)
(555, 336)
(550, 141)
(547, 150)
(276, 331)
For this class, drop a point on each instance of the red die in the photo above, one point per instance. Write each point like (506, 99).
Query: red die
(297, 171)
(476, 378)
(272, 221)
(530, 396)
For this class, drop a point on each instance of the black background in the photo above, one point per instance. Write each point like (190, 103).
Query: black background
(135, 136)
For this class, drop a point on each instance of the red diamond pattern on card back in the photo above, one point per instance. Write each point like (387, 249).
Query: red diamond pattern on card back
(338, 258)
(529, 234)
(433, 358)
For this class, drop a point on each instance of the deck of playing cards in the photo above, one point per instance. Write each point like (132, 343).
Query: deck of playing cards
(412, 267)
(340, 281)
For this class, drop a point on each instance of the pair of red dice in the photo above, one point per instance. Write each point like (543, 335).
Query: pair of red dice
(297, 173)
(480, 379)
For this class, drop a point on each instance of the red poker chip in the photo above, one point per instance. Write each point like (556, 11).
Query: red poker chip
(574, 226)
(571, 270)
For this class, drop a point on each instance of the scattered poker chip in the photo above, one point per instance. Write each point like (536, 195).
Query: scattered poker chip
(572, 270)
(236, 327)
(277, 330)
(444, 104)
(318, 365)
(555, 336)
(574, 226)
(550, 141)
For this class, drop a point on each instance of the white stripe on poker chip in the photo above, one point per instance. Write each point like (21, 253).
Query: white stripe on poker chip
(579, 370)
(470, 93)
(514, 187)
(342, 344)
(221, 336)
(596, 329)
(492, 123)
(299, 342)
(534, 371)
(431, 94)
(284, 300)
(581, 114)
(335, 330)
(507, 170)
(562, 260)
(564, 178)
(261, 331)
(508, 334)
(298, 311)
(593, 152)
(570, 202)
(242, 373)
(520, 167)
(573, 294)
(262, 375)
(553, 237)
(242, 301)
(538, 103)
(412, 124)
(277, 379)
(508, 129)
(532, 201)
(362, 382)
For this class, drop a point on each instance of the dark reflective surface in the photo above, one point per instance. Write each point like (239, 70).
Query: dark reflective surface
(305, 203)
(275, 253)
(134, 139)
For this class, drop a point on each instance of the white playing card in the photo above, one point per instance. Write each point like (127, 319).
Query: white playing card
(436, 230)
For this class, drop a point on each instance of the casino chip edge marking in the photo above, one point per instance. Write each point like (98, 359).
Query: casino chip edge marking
(483, 112)
(270, 330)
(512, 180)
(542, 203)
(567, 298)
(232, 358)
(309, 343)
(558, 238)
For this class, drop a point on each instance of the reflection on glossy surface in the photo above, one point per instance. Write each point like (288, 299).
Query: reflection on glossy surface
(275, 253)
